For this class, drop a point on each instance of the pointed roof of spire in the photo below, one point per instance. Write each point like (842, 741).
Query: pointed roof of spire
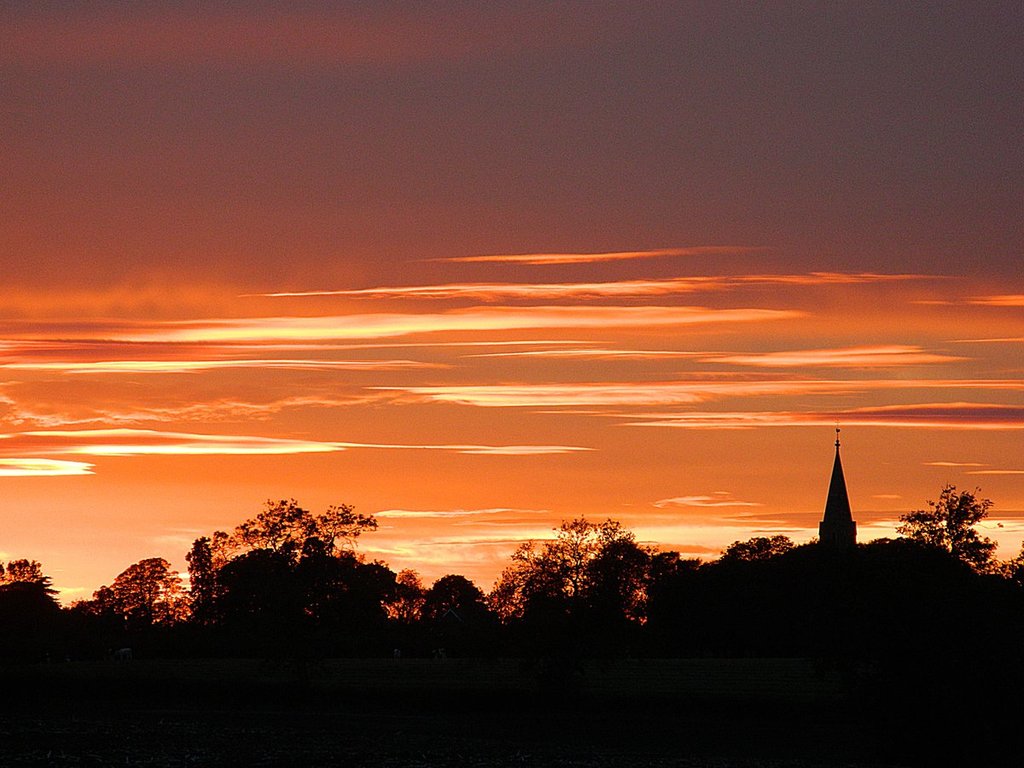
(837, 505)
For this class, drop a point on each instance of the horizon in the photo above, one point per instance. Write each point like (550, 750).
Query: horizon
(476, 271)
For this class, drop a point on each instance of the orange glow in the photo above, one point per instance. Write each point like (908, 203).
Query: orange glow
(444, 266)
(318, 406)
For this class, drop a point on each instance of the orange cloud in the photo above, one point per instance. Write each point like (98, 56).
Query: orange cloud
(447, 514)
(1005, 300)
(478, 450)
(543, 259)
(596, 354)
(106, 355)
(147, 442)
(616, 289)
(193, 366)
(43, 468)
(671, 392)
(224, 409)
(471, 319)
(848, 357)
(716, 499)
(1005, 340)
(974, 416)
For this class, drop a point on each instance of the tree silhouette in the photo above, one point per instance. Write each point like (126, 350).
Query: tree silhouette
(950, 523)
(26, 572)
(671, 581)
(261, 595)
(407, 604)
(288, 581)
(566, 572)
(582, 592)
(202, 577)
(757, 548)
(29, 613)
(146, 593)
(284, 526)
(29, 619)
(454, 593)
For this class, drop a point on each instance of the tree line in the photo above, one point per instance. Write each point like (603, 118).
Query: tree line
(291, 583)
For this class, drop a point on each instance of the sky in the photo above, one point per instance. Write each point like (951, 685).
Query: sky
(478, 268)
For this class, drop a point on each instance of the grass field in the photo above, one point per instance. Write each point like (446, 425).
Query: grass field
(412, 712)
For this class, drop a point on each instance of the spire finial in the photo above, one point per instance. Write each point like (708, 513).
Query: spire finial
(837, 435)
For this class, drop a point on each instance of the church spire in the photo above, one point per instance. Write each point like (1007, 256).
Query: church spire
(837, 528)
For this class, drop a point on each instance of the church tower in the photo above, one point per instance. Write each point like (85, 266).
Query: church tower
(837, 528)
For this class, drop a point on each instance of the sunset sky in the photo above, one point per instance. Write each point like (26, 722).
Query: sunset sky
(477, 268)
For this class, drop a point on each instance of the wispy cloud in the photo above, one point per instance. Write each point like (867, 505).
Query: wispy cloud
(43, 468)
(973, 416)
(147, 442)
(996, 472)
(471, 319)
(107, 356)
(846, 357)
(1004, 340)
(952, 464)
(478, 450)
(716, 499)
(552, 395)
(445, 514)
(193, 366)
(673, 392)
(543, 259)
(594, 353)
(615, 289)
(999, 300)
(225, 409)
(221, 410)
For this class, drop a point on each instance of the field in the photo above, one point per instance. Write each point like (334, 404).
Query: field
(411, 712)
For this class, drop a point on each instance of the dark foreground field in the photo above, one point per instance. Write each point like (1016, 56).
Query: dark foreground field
(407, 713)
